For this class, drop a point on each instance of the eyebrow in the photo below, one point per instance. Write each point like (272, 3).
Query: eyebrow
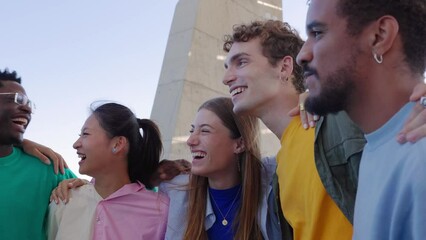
(202, 125)
(235, 57)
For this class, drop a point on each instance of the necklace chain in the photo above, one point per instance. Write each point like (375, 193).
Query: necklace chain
(224, 221)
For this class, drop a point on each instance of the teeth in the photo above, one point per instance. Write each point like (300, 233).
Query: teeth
(20, 121)
(237, 90)
(82, 156)
(198, 154)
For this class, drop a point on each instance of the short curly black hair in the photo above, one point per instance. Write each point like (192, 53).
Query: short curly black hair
(9, 76)
(411, 17)
(278, 39)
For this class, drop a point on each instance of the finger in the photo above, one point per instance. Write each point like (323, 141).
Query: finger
(185, 166)
(316, 117)
(65, 163)
(55, 161)
(304, 118)
(415, 119)
(415, 129)
(416, 134)
(184, 163)
(49, 155)
(294, 112)
(42, 157)
(77, 182)
(63, 189)
(61, 163)
(59, 194)
(311, 120)
(54, 197)
(419, 91)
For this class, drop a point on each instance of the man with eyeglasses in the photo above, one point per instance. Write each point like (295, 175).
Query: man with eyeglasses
(20, 99)
(25, 182)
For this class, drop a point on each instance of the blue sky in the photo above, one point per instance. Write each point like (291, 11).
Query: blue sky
(71, 53)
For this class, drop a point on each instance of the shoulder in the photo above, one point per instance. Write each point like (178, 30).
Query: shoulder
(407, 161)
(178, 183)
(339, 126)
(415, 156)
(163, 198)
(269, 166)
(150, 196)
(68, 174)
(83, 190)
(30, 160)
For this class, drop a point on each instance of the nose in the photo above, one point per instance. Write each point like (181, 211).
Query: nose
(229, 77)
(25, 108)
(192, 139)
(77, 144)
(305, 55)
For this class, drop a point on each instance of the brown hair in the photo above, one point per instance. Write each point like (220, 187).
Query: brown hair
(278, 39)
(245, 223)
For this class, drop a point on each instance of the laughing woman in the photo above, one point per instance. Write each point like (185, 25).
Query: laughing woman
(227, 191)
(117, 205)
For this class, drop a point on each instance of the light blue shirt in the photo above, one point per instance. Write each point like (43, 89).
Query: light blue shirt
(178, 206)
(391, 198)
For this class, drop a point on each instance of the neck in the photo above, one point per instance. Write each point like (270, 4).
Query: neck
(277, 122)
(108, 183)
(275, 116)
(6, 150)
(224, 182)
(372, 106)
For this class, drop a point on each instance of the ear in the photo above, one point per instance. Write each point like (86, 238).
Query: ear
(239, 146)
(384, 33)
(286, 65)
(119, 144)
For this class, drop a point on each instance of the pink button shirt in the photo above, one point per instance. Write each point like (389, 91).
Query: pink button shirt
(132, 212)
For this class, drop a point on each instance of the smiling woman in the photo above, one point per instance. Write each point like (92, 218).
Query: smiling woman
(225, 197)
(113, 151)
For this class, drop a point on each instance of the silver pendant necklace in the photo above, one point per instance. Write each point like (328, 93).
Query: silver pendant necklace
(224, 221)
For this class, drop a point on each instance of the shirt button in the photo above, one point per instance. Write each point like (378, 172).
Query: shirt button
(98, 220)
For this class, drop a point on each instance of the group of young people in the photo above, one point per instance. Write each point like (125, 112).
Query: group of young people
(352, 176)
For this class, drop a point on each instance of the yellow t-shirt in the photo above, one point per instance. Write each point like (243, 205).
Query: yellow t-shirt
(308, 208)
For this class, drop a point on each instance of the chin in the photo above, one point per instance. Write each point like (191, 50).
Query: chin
(241, 110)
(17, 139)
(81, 170)
(199, 172)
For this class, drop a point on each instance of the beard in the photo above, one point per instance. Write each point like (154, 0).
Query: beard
(334, 91)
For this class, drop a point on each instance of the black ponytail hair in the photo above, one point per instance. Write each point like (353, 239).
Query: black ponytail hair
(144, 147)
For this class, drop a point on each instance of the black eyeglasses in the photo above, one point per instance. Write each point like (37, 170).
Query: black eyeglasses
(22, 99)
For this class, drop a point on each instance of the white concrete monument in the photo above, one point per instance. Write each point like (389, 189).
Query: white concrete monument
(193, 66)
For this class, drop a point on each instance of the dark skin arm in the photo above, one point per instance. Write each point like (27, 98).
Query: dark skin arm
(415, 127)
(45, 154)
